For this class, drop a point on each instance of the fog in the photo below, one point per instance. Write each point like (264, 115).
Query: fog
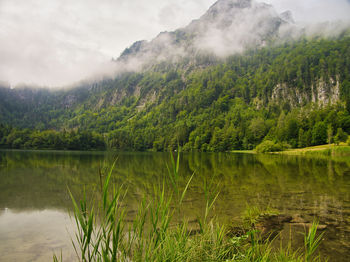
(313, 11)
(59, 42)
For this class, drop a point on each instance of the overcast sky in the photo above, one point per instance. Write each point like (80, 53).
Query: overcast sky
(58, 42)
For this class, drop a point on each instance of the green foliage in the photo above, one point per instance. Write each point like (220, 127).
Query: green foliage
(330, 134)
(312, 241)
(319, 134)
(341, 136)
(268, 146)
(14, 138)
(226, 104)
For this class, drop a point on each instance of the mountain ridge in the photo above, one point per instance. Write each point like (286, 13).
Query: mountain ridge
(234, 24)
(278, 91)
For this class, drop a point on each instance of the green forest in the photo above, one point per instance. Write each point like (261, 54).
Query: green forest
(49, 139)
(294, 94)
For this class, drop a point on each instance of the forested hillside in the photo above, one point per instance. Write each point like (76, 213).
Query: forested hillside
(297, 93)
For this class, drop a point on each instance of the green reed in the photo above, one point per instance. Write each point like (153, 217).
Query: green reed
(312, 242)
(104, 234)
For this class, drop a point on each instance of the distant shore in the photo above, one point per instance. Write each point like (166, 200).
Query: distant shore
(330, 149)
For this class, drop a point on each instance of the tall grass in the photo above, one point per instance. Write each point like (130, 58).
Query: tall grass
(331, 151)
(153, 234)
(312, 241)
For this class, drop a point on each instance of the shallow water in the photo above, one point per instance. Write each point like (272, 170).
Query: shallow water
(34, 201)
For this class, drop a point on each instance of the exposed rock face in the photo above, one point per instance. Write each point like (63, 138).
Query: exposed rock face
(322, 93)
(292, 95)
(224, 9)
(69, 101)
(288, 17)
(326, 93)
(134, 48)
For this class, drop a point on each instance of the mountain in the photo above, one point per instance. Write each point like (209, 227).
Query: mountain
(228, 80)
(228, 27)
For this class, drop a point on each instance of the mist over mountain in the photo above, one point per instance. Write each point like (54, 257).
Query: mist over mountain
(57, 43)
(228, 27)
(79, 45)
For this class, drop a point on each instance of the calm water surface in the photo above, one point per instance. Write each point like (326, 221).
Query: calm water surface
(34, 203)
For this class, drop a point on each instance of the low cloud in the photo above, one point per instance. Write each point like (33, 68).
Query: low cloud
(231, 27)
(232, 30)
(314, 11)
(59, 42)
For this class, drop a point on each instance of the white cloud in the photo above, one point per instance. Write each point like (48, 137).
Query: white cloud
(58, 42)
(312, 11)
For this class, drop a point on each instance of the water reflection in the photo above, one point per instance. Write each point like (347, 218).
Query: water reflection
(33, 190)
(35, 235)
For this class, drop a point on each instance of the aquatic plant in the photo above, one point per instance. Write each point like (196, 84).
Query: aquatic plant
(104, 233)
(312, 241)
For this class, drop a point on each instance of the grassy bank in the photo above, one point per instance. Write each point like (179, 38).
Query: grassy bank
(325, 150)
(244, 151)
(155, 232)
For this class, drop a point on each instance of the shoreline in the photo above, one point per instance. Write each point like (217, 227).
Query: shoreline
(330, 149)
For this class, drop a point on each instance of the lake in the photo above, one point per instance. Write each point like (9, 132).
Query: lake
(35, 217)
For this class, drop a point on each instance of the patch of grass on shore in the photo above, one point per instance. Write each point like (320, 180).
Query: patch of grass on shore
(244, 151)
(325, 150)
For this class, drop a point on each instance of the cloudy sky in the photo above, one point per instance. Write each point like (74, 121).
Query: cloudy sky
(58, 42)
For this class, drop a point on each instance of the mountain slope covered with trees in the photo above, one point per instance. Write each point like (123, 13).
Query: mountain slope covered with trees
(297, 93)
(239, 75)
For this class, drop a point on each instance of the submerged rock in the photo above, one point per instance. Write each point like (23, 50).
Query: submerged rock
(298, 219)
(236, 231)
(270, 225)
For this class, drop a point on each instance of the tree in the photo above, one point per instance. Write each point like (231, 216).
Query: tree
(319, 134)
(258, 129)
(330, 134)
(341, 136)
(268, 146)
(302, 138)
(292, 128)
